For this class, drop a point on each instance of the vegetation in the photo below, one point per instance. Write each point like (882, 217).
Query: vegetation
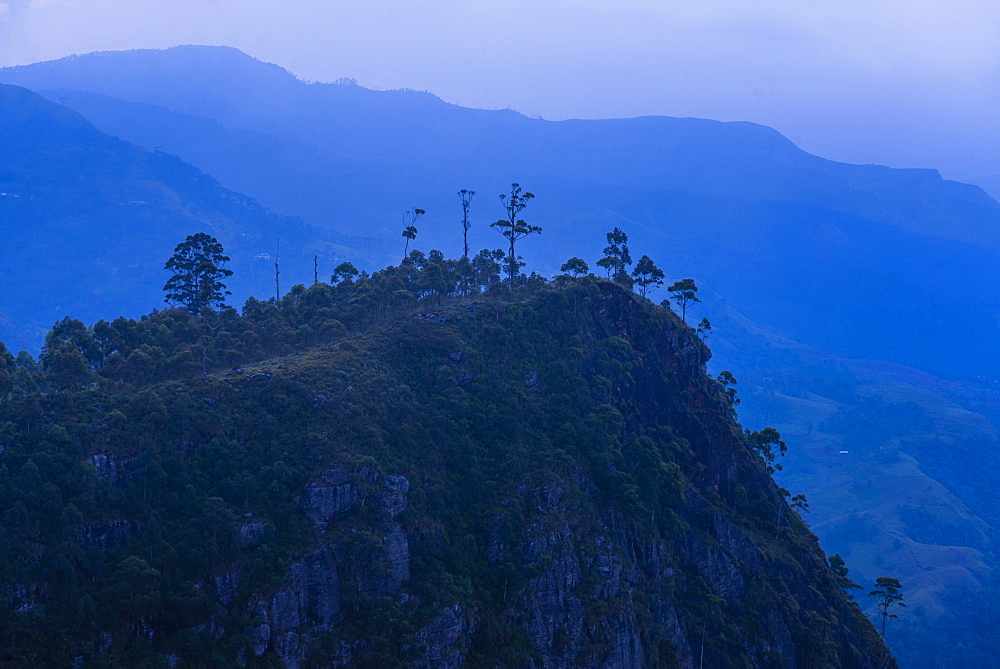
(127, 488)
(197, 281)
(410, 227)
(466, 196)
(839, 568)
(888, 595)
(616, 258)
(575, 267)
(685, 293)
(197, 267)
(513, 228)
(647, 275)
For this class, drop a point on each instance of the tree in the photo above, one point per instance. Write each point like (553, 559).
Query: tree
(888, 593)
(410, 228)
(704, 327)
(197, 264)
(7, 371)
(514, 228)
(575, 266)
(345, 271)
(647, 275)
(763, 442)
(197, 281)
(728, 382)
(277, 284)
(840, 571)
(684, 293)
(616, 255)
(466, 197)
(800, 502)
(486, 267)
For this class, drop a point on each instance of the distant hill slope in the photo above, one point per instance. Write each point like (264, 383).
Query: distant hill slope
(900, 471)
(546, 479)
(859, 259)
(89, 220)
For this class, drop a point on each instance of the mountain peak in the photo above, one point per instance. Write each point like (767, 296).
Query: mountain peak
(211, 80)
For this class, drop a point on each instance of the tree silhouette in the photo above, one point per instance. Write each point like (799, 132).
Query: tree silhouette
(647, 275)
(616, 256)
(345, 271)
(684, 293)
(197, 266)
(762, 442)
(728, 382)
(575, 266)
(513, 228)
(197, 281)
(410, 228)
(466, 197)
(704, 328)
(888, 593)
(840, 570)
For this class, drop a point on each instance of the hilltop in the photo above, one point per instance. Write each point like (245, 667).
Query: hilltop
(543, 477)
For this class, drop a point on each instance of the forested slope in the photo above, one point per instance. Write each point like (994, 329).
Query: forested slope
(544, 476)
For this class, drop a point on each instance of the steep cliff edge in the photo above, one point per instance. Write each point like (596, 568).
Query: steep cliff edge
(547, 481)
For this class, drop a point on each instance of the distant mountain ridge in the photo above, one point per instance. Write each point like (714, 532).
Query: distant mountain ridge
(738, 159)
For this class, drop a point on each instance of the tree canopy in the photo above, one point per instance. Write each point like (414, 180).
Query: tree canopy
(197, 266)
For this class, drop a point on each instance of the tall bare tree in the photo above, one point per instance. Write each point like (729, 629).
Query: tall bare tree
(466, 197)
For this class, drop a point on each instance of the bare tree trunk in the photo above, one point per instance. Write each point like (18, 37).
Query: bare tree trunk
(277, 286)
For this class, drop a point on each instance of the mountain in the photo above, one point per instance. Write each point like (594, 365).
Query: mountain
(540, 477)
(89, 221)
(831, 269)
(843, 257)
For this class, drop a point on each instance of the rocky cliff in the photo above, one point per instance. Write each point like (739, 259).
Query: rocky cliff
(548, 480)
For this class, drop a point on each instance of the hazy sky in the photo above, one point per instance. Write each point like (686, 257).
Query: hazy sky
(899, 82)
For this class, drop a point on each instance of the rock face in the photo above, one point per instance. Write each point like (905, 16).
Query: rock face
(110, 468)
(441, 640)
(107, 536)
(334, 494)
(309, 603)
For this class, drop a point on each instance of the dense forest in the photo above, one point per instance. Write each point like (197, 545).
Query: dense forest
(441, 462)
